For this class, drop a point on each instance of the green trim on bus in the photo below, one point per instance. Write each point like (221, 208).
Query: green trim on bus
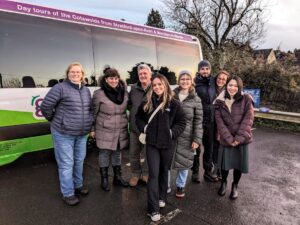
(13, 149)
(11, 118)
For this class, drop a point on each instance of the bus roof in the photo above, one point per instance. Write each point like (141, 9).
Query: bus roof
(56, 14)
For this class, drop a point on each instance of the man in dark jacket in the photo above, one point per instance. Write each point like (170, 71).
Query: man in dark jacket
(205, 88)
(136, 95)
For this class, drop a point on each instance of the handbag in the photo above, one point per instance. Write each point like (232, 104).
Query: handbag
(142, 137)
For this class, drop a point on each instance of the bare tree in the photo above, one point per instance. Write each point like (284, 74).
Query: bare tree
(219, 23)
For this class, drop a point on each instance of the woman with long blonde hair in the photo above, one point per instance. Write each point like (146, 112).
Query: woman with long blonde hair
(167, 124)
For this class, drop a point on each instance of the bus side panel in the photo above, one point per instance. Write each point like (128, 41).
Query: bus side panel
(12, 149)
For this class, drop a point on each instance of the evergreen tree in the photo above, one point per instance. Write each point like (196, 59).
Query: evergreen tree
(155, 19)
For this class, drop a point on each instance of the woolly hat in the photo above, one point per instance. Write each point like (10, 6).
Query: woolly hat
(204, 63)
(185, 72)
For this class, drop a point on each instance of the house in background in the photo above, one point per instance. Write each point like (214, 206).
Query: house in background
(264, 55)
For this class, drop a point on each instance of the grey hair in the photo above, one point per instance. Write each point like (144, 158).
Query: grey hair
(144, 66)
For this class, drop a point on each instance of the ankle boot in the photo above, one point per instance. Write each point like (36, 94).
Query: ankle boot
(104, 178)
(234, 192)
(222, 189)
(118, 180)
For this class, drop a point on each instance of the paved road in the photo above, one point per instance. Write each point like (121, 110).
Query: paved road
(269, 194)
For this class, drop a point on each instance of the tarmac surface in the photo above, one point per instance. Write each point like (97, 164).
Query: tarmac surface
(269, 194)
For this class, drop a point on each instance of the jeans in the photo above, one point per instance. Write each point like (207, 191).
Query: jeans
(135, 150)
(70, 152)
(181, 178)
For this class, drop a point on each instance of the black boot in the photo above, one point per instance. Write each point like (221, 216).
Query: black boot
(234, 192)
(104, 178)
(118, 180)
(222, 189)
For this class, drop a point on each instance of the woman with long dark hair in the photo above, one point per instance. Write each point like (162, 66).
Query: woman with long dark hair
(234, 117)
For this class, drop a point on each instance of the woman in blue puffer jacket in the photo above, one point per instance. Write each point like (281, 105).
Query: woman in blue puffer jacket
(68, 108)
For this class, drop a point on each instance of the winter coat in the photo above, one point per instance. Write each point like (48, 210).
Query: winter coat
(111, 123)
(136, 97)
(235, 125)
(206, 90)
(68, 107)
(192, 107)
(166, 125)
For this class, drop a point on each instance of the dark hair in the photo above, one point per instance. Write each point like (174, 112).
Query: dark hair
(239, 84)
(110, 72)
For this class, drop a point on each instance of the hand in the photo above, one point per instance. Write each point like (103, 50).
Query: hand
(92, 134)
(195, 145)
(235, 143)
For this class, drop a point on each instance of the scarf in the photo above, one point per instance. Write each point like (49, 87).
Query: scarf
(116, 95)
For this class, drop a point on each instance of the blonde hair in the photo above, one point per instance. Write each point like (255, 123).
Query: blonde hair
(75, 64)
(166, 97)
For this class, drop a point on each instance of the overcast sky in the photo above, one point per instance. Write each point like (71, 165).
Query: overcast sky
(283, 27)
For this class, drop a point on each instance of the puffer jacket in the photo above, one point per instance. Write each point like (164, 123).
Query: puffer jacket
(166, 125)
(235, 125)
(69, 108)
(111, 123)
(192, 107)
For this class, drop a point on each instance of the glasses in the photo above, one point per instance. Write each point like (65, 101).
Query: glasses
(223, 79)
(185, 79)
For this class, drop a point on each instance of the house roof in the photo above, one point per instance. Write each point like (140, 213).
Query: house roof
(262, 52)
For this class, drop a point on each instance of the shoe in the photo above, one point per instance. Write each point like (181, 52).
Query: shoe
(71, 200)
(155, 216)
(234, 192)
(169, 190)
(82, 191)
(161, 203)
(210, 176)
(144, 178)
(180, 193)
(133, 181)
(222, 189)
(196, 178)
(104, 178)
(118, 180)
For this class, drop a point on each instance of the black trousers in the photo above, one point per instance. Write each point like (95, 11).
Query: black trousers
(159, 162)
(208, 144)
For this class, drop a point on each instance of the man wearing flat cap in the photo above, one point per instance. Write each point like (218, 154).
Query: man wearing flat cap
(205, 88)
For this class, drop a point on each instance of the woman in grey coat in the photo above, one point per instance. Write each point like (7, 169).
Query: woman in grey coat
(111, 125)
(191, 138)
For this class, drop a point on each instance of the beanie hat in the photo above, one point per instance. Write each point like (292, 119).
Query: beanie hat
(204, 63)
(185, 72)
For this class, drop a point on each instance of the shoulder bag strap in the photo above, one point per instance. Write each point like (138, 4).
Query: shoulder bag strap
(153, 114)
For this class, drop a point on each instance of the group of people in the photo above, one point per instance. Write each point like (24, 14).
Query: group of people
(202, 112)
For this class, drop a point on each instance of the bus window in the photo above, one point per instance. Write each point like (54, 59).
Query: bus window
(49, 46)
(177, 55)
(122, 50)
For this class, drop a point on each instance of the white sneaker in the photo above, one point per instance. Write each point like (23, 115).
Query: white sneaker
(169, 190)
(155, 216)
(162, 203)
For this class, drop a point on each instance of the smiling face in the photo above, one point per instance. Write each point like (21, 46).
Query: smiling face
(144, 77)
(158, 87)
(75, 74)
(221, 80)
(185, 82)
(112, 81)
(232, 87)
